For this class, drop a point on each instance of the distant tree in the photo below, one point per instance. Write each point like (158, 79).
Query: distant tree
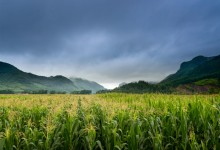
(103, 91)
(82, 92)
(142, 87)
(27, 92)
(40, 92)
(6, 92)
(59, 92)
(52, 92)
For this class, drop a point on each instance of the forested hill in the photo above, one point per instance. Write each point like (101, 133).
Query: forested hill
(83, 84)
(13, 80)
(16, 80)
(199, 68)
(199, 75)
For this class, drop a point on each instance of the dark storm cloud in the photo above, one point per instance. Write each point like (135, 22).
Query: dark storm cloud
(110, 41)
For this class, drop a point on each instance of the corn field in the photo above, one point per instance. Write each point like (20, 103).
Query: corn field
(110, 121)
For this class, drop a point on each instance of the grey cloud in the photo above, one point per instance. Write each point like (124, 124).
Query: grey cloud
(109, 41)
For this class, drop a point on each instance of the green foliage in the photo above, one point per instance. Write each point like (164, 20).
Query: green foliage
(103, 91)
(82, 92)
(143, 87)
(57, 92)
(40, 92)
(197, 69)
(200, 75)
(148, 122)
(35, 92)
(208, 82)
(6, 92)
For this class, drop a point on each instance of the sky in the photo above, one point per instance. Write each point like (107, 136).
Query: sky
(107, 41)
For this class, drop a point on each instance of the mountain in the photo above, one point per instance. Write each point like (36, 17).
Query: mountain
(199, 75)
(199, 68)
(83, 84)
(11, 78)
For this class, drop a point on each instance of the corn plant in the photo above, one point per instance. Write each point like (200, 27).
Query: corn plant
(110, 121)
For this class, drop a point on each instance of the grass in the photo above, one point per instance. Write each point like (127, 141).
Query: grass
(110, 121)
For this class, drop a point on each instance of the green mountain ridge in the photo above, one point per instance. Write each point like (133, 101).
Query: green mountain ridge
(199, 75)
(84, 84)
(198, 68)
(7, 68)
(11, 78)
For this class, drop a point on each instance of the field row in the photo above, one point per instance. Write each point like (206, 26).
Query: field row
(110, 121)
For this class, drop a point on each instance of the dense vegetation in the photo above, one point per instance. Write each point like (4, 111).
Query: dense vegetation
(110, 121)
(199, 68)
(6, 92)
(45, 92)
(206, 86)
(143, 87)
(82, 92)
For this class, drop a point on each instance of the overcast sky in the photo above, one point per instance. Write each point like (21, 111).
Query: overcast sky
(108, 41)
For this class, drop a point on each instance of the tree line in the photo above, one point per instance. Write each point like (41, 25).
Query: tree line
(44, 92)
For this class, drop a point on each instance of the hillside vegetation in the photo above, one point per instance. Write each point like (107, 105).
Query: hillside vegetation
(199, 68)
(83, 84)
(200, 75)
(15, 80)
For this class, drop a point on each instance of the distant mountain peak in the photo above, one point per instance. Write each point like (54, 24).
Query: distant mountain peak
(194, 62)
(85, 84)
(199, 57)
(198, 68)
(199, 75)
(11, 78)
(6, 67)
